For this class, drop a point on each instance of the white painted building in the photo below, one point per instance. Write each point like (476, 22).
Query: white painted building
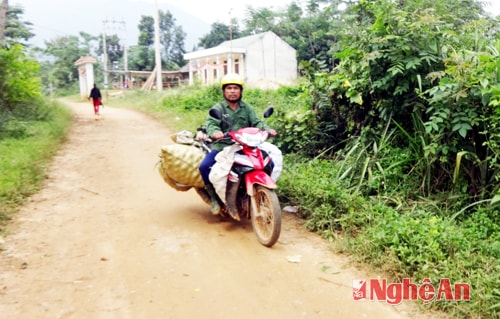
(264, 60)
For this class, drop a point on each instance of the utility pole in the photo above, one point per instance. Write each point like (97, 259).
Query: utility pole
(159, 84)
(120, 26)
(125, 62)
(230, 59)
(4, 7)
(105, 55)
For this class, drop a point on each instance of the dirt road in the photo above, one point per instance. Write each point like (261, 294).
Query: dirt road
(107, 238)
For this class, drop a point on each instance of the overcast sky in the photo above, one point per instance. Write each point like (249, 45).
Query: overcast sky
(53, 18)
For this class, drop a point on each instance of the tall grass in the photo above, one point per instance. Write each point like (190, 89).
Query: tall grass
(377, 217)
(25, 152)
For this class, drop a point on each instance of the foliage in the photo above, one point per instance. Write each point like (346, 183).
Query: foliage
(402, 61)
(19, 86)
(219, 33)
(322, 202)
(141, 58)
(114, 50)
(16, 29)
(3, 19)
(400, 238)
(171, 38)
(30, 128)
(310, 30)
(65, 50)
(297, 130)
(419, 244)
(410, 62)
(258, 20)
(463, 118)
(25, 155)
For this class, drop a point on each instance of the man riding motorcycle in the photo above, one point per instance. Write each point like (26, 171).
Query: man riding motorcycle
(239, 114)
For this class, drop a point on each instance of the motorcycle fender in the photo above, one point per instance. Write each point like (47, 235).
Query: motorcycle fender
(258, 177)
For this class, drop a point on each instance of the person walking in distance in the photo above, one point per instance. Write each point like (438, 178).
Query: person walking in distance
(95, 95)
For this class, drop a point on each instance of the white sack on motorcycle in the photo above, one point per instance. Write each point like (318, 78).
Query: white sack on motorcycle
(179, 166)
(218, 174)
(225, 159)
(277, 157)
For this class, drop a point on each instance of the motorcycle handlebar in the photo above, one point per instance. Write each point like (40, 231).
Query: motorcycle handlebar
(226, 135)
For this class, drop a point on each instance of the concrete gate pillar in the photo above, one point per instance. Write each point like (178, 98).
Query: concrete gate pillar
(85, 75)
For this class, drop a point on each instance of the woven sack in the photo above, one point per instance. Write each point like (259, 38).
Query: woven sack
(179, 166)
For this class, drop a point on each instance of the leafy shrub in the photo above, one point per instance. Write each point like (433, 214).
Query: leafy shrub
(24, 157)
(18, 78)
(296, 131)
(400, 237)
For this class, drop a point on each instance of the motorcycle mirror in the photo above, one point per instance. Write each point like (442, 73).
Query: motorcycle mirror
(215, 113)
(268, 112)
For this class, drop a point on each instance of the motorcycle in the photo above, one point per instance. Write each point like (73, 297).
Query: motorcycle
(244, 176)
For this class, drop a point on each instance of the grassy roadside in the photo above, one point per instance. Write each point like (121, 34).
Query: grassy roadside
(26, 150)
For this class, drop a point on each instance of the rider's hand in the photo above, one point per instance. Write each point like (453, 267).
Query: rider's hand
(272, 132)
(218, 135)
(200, 136)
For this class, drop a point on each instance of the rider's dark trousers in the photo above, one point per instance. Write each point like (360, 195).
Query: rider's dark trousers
(206, 166)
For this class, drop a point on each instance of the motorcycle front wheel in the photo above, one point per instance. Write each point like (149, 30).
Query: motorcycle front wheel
(266, 215)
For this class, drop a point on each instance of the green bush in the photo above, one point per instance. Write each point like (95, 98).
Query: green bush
(399, 237)
(25, 155)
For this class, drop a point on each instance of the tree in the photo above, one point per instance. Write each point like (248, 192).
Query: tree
(114, 49)
(171, 39)
(19, 81)
(65, 51)
(12, 28)
(177, 50)
(423, 70)
(16, 29)
(146, 31)
(219, 33)
(142, 56)
(259, 20)
(91, 43)
(311, 30)
(167, 23)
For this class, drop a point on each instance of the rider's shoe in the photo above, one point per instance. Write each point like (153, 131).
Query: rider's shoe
(215, 209)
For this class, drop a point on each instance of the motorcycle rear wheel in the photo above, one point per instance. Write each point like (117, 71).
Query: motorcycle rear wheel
(266, 215)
